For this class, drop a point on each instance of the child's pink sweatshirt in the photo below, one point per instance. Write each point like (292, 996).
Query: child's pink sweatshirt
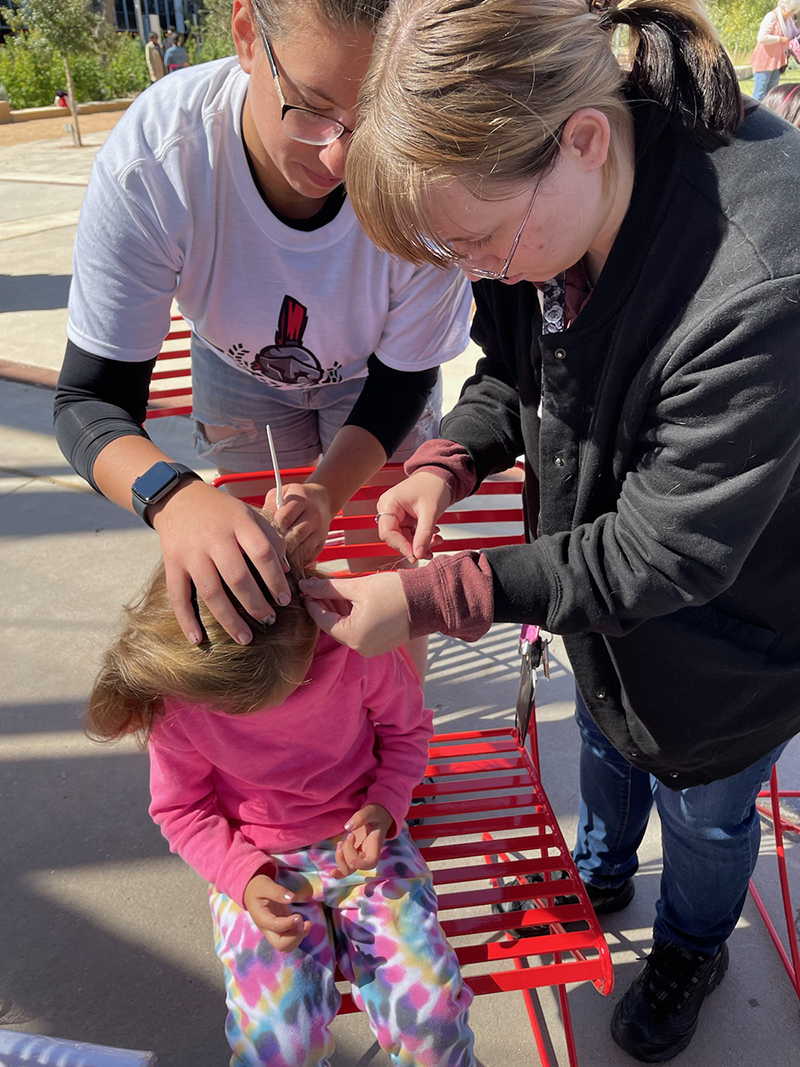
(229, 790)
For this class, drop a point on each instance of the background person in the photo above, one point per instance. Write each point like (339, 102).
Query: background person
(223, 190)
(638, 319)
(302, 836)
(771, 54)
(154, 57)
(176, 57)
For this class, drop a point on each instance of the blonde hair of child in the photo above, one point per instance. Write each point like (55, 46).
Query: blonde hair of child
(151, 660)
(477, 91)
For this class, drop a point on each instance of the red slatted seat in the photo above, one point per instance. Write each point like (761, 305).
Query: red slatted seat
(171, 382)
(484, 823)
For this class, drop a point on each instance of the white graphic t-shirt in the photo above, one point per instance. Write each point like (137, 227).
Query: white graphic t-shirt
(172, 211)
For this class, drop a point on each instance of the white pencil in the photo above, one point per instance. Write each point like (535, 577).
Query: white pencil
(276, 469)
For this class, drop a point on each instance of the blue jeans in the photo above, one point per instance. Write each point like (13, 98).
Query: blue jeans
(710, 837)
(763, 81)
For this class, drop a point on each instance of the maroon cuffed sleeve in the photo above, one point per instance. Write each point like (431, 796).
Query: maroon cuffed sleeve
(452, 595)
(448, 460)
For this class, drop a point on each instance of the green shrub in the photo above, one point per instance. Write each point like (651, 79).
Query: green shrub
(32, 72)
(125, 72)
(88, 77)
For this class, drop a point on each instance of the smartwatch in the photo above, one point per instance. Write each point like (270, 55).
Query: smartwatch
(156, 483)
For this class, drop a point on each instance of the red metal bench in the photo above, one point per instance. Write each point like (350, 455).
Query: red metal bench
(171, 383)
(782, 825)
(483, 821)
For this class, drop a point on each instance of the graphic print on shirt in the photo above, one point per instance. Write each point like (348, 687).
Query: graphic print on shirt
(288, 364)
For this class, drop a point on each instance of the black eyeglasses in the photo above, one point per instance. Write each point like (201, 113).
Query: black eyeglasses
(308, 127)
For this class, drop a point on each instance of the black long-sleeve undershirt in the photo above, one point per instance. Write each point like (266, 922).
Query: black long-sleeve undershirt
(99, 400)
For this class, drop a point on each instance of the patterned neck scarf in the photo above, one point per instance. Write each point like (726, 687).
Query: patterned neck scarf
(563, 298)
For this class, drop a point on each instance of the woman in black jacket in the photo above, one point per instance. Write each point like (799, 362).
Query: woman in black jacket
(637, 306)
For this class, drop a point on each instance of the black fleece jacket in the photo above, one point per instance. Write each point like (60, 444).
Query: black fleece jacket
(662, 468)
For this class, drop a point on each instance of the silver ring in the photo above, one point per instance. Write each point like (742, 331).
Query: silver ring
(381, 514)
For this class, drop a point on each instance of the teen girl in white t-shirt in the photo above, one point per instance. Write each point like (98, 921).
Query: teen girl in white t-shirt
(221, 189)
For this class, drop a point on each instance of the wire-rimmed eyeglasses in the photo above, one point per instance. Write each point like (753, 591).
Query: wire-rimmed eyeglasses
(497, 275)
(299, 123)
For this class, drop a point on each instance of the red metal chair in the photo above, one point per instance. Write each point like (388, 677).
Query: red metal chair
(171, 383)
(471, 515)
(481, 818)
(782, 824)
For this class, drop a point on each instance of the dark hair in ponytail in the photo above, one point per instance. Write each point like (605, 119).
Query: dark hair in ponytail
(680, 64)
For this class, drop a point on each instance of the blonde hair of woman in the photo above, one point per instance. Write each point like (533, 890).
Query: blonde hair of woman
(480, 92)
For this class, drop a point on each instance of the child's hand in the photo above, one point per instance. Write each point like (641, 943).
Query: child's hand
(269, 907)
(360, 850)
(305, 517)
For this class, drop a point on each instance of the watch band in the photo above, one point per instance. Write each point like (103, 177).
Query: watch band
(156, 483)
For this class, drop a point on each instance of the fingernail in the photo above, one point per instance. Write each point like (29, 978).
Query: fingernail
(298, 919)
(194, 639)
(268, 620)
(284, 599)
(243, 638)
(288, 896)
(348, 825)
(286, 563)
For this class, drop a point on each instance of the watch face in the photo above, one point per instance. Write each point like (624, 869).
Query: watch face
(151, 485)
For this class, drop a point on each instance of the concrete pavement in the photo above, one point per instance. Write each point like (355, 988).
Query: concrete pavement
(105, 937)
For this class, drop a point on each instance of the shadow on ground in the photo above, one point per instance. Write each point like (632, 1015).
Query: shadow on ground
(33, 292)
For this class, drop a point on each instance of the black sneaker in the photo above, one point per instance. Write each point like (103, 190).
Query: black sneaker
(506, 906)
(606, 901)
(657, 1017)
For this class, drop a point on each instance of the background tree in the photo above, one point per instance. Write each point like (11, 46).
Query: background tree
(737, 23)
(215, 30)
(69, 27)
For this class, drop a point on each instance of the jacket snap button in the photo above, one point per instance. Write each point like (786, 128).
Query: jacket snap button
(633, 755)
(601, 695)
(559, 462)
(560, 353)
(674, 774)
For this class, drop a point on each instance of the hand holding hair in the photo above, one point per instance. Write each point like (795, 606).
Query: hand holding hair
(205, 535)
(367, 614)
(407, 514)
(304, 517)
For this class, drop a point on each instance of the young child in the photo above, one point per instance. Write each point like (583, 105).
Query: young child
(281, 771)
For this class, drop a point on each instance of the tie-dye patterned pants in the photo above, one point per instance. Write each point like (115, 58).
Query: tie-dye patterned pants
(382, 930)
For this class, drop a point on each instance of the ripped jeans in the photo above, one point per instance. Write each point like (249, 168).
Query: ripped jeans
(231, 409)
